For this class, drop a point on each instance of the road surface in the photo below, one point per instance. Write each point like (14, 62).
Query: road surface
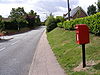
(16, 52)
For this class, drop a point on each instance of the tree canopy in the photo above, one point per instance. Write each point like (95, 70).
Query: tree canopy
(91, 10)
(0, 18)
(32, 18)
(17, 14)
(98, 5)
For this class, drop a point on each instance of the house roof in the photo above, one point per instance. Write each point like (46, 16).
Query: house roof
(74, 11)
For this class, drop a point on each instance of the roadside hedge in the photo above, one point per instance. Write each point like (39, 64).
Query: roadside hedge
(93, 23)
(1, 25)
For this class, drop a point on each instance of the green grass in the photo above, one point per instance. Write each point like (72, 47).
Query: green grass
(68, 53)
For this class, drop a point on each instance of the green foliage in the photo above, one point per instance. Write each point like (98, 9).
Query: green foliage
(17, 14)
(98, 5)
(50, 23)
(91, 10)
(60, 24)
(33, 19)
(68, 53)
(37, 20)
(20, 19)
(11, 25)
(59, 19)
(1, 24)
(32, 13)
(0, 18)
(93, 23)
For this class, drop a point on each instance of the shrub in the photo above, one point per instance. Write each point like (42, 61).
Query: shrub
(50, 23)
(11, 25)
(93, 23)
(60, 24)
(1, 25)
(51, 27)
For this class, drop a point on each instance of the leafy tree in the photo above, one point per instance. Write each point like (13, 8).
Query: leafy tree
(33, 19)
(1, 23)
(0, 18)
(18, 15)
(91, 10)
(50, 23)
(59, 19)
(98, 5)
(30, 18)
(37, 20)
(32, 13)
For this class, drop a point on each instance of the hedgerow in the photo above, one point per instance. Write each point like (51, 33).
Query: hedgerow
(93, 23)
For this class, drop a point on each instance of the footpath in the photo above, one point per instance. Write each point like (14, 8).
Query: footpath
(44, 61)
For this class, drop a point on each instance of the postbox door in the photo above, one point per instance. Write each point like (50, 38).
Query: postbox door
(82, 34)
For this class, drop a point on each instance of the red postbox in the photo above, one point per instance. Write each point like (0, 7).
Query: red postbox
(82, 34)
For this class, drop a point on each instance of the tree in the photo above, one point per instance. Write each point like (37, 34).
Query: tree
(0, 21)
(91, 10)
(59, 19)
(33, 19)
(37, 20)
(98, 5)
(30, 18)
(18, 15)
(1, 24)
(0, 18)
(32, 13)
(50, 23)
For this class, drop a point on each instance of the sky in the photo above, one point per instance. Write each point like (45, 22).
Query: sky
(43, 7)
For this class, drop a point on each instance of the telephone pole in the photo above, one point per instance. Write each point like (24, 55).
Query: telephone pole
(68, 10)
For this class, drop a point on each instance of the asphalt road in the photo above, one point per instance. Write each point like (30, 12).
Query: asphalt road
(16, 53)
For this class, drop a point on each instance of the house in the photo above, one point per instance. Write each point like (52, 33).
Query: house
(77, 12)
(6, 19)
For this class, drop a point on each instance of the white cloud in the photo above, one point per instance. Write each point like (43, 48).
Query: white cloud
(57, 7)
(85, 3)
(5, 9)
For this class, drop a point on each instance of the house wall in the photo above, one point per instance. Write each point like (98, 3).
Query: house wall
(79, 14)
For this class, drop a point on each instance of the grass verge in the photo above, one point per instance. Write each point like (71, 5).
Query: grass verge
(69, 54)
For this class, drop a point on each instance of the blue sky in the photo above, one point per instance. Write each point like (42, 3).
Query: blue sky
(43, 7)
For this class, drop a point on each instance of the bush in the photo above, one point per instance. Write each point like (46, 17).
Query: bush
(51, 27)
(11, 25)
(1, 25)
(60, 24)
(93, 23)
(50, 23)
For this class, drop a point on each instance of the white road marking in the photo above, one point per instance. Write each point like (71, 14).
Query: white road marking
(2, 48)
(14, 42)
